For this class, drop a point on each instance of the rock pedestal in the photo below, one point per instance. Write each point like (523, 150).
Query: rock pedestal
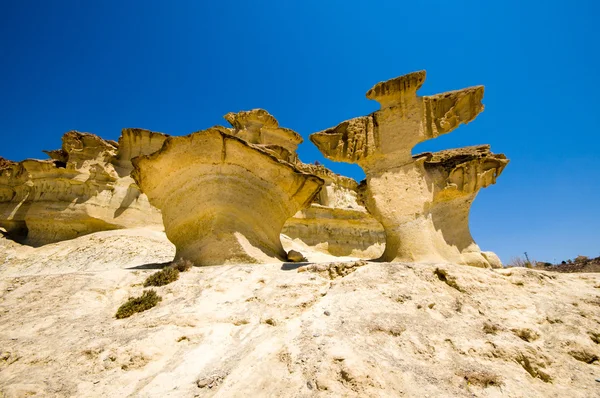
(422, 202)
(223, 199)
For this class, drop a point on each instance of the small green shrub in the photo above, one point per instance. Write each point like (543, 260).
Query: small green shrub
(182, 265)
(147, 300)
(162, 277)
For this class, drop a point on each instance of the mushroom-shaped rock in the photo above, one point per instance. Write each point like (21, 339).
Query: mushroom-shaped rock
(259, 127)
(423, 202)
(223, 200)
(424, 206)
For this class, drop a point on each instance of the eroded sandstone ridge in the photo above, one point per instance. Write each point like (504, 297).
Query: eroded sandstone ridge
(85, 187)
(225, 194)
(335, 222)
(422, 202)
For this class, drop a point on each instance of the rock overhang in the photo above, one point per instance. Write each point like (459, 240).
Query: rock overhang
(412, 195)
(239, 195)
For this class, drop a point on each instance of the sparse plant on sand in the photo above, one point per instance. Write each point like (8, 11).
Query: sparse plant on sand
(520, 262)
(162, 277)
(147, 300)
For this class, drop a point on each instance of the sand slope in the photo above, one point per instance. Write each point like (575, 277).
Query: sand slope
(382, 330)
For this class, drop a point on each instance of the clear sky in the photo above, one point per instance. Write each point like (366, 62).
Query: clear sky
(178, 66)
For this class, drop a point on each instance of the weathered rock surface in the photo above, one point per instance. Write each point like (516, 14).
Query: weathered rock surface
(422, 202)
(136, 142)
(430, 220)
(385, 138)
(223, 199)
(340, 232)
(260, 128)
(84, 188)
(356, 329)
(335, 223)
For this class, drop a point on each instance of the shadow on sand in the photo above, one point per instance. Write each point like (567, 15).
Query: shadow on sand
(151, 266)
(293, 266)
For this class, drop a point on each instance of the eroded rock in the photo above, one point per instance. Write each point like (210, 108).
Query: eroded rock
(260, 128)
(335, 223)
(78, 191)
(422, 202)
(223, 199)
(136, 142)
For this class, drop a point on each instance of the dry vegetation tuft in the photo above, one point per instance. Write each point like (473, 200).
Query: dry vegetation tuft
(147, 300)
(162, 277)
(168, 274)
(520, 262)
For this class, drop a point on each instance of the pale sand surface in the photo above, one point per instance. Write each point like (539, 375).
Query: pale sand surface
(384, 330)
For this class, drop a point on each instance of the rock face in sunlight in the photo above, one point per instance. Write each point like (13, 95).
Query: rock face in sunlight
(99, 296)
(335, 223)
(327, 328)
(225, 199)
(422, 202)
(137, 142)
(260, 128)
(85, 187)
(224, 195)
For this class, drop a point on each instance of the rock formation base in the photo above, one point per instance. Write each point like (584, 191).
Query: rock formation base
(351, 329)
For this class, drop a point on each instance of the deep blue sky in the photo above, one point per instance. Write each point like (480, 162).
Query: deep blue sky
(178, 66)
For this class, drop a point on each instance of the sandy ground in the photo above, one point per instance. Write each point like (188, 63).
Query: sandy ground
(355, 329)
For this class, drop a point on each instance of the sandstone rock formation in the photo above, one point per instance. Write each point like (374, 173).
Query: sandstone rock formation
(136, 142)
(84, 187)
(335, 223)
(422, 202)
(260, 128)
(430, 221)
(108, 198)
(224, 199)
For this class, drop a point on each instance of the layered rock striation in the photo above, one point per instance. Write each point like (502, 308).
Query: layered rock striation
(422, 202)
(225, 194)
(260, 128)
(429, 222)
(84, 187)
(335, 223)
